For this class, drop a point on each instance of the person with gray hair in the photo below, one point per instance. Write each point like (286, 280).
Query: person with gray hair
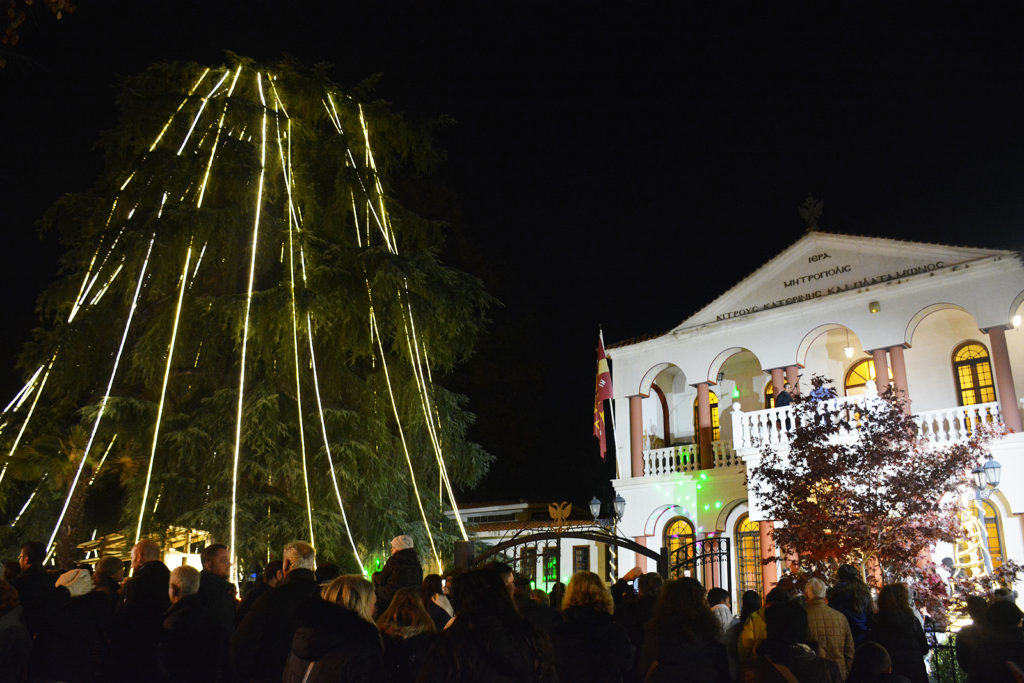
(828, 627)
(402, 570)
(189, 627)
(263, 639)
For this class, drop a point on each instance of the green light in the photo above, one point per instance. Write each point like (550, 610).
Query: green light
(707, 506)
(718, 504)
(735, 392)
(699, 487)
(703, 476)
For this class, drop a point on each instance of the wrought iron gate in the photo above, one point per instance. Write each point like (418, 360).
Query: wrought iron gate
(707, 560)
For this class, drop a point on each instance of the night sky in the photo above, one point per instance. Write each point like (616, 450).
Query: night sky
(617, 165)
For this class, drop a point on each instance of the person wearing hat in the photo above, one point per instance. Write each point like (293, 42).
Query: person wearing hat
(73, 646)
(402, 570)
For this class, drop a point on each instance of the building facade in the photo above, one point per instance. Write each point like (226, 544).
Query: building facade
(693, 405)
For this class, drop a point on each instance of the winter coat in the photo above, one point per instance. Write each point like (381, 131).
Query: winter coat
(193, 645)
(402, 570)
(438, 613)
(73, 647)
(829, 628)
(250, 598)
(900, 633)
(37, 596)
(15, 645)
(853, 599)
(333, 645)
(261, 643)
(590, 646)
(753, 634)
(403, 657)
(668, 657)
(998, 646)
(798, 659)
(217, 595)
(968, 646)
(489, 650)
(139, 621)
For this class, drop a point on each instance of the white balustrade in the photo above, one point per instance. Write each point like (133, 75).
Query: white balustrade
(954, 424)
(774, 426)
(686, 458)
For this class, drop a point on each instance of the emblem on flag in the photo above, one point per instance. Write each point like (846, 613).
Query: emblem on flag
(602, 391)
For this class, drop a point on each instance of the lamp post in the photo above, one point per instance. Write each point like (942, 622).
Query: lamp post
(985, 479)
(618, 510)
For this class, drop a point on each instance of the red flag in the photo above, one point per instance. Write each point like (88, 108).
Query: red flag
(602, 391)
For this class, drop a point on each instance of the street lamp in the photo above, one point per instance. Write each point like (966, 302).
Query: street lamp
(986, 481)
(618, 510)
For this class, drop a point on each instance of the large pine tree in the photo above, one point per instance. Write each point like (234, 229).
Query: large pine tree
(250, 316)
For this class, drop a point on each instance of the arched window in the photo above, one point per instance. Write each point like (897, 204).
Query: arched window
(748, 555)
(769, 395)
(858, 375)
(973, 374)
(992, 531)
(715, 429)
(678, 533)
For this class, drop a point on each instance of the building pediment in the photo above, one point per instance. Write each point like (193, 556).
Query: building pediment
(821, 264)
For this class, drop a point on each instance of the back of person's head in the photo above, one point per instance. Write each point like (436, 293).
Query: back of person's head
(977, 607)
(11, 569)
(521, 586)
(480, 592)
(403, 542)
(8, 597)
(750, 603)
(649, 584)
(1003, 594)
(109, 566)
(870, 661)
(682, 611)
(1004, 614)
(184, 581)
(586, 589)
(540, 597)
(431, 586)
(717, 596)
(556, 595)
(847, 572)
(34, 552)
(405, 617)
(271, 570)
(776, 596)
(352, 592)
(785, 623)
(298, 555)
(894, 598)
(148, 550)
(328, 571)
(815, 589)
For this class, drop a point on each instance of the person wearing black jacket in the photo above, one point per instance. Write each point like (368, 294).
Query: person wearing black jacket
(35, 587)
(260, 644)
(193, 646)
(137, 624)
(589, 645)
(896, 628)
(402, 570)
(216, 593)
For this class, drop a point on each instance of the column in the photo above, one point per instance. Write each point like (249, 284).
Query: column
(793, 377)
(641, 560)
(778, 380)
(769, 571)
(1004, 379)
(636, 435)
(899, 375)
(881, 370)
(707, 458)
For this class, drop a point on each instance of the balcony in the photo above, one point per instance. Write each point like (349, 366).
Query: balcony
(774, 426)
(686, 458)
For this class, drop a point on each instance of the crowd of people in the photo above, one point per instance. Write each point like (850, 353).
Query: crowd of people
(300, 623)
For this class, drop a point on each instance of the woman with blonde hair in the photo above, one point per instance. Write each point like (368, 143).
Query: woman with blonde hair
(408, 632)
(336, 639)
(589, 644)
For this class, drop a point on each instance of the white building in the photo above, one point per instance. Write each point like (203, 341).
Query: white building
(943, 322)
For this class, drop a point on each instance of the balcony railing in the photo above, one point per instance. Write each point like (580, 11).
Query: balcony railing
(687, 458)
(774, 426)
